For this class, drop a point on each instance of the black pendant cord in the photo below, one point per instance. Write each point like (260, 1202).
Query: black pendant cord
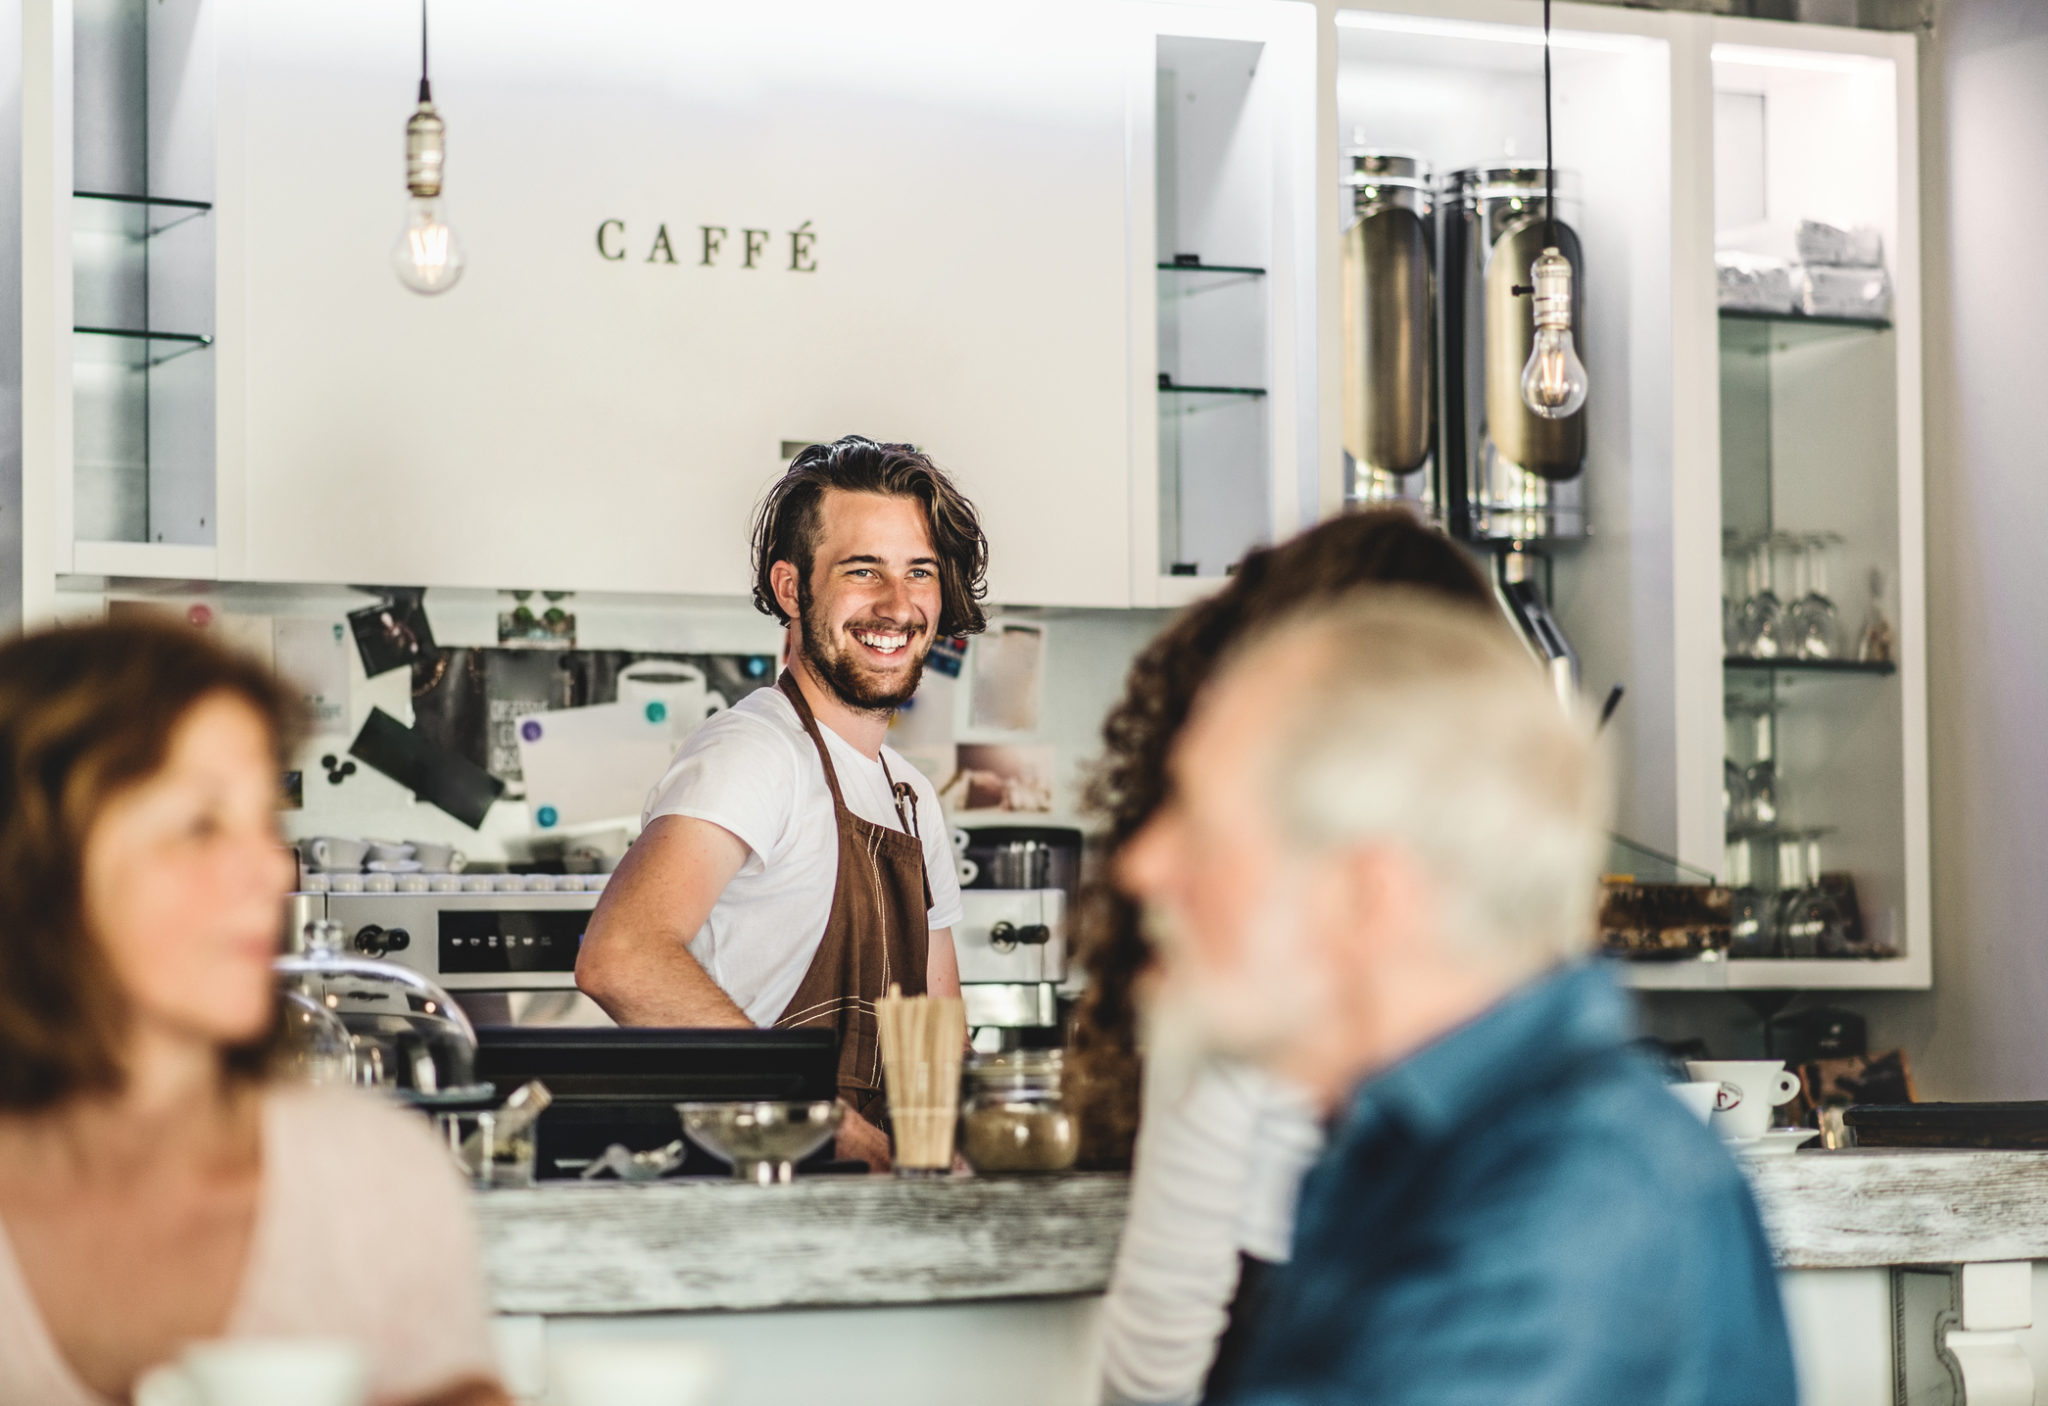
(1549, 159)
(427, 93)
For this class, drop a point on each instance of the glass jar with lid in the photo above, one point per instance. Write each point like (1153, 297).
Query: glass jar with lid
(1013, 1113)
(405, 1034)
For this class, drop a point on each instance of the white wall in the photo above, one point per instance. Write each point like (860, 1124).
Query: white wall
(1982, 1033)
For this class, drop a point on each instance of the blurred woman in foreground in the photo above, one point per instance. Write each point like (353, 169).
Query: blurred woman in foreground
(1221, 1147)
(157, 1186)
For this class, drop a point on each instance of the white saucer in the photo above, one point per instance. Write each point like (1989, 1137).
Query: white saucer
(1776, 1142)
(394, 866)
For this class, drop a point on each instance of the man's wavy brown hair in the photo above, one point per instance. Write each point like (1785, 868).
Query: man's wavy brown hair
(86, 712)
(1383, 546)
(786, 524)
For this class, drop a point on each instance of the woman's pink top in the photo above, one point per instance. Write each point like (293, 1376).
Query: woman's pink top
(363, 1232)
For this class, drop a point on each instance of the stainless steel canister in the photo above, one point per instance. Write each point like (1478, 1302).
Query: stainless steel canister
(1389, 329)
(1509, 475)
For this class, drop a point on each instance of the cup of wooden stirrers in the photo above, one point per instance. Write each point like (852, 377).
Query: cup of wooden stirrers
(922, 1041)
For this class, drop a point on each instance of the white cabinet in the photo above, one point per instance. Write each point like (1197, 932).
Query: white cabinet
(694, 234)
(1700, 424)
(695, 238)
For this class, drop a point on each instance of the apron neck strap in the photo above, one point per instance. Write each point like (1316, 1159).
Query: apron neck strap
(788, 684)
(901, 792)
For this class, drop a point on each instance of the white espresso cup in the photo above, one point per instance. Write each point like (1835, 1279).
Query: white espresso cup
(437, 858)
(1705, 1098)
(335, 852)
(1763, 1084)
(389, 851)
(260, 1372)
(631, 1374)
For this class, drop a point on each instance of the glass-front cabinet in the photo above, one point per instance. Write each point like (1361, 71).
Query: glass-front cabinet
(142, 245)
(1224, 271)
(1821, 652)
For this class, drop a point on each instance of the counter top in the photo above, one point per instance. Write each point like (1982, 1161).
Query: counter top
(1852, 1210)
(674, 1246)
(683, 1246)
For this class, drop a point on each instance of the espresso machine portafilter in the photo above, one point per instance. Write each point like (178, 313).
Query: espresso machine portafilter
(1389, 331)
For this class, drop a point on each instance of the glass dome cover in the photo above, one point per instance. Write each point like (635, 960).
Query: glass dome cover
(405, 1033)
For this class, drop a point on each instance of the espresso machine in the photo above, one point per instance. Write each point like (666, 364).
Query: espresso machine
(1018, 888)
(1513, 481)
(1389, 331)
(503, 946)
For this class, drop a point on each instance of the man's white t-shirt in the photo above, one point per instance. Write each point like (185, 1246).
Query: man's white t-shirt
(753, 770)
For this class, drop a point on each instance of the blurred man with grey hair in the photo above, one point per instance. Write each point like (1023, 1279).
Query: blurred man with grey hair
(1375, 875)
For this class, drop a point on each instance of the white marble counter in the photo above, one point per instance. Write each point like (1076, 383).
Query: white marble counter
(829, 1241)
(839, 1241)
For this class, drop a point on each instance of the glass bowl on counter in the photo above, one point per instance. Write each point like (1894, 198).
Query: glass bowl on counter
(763, 1141)
(405, 1035)
(1014, 1116)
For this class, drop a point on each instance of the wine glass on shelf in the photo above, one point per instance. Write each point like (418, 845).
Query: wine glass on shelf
(1760, 625)
(1760, 778)
(1734, 590)
(1811, 922)
(1876, 646)
(1813, 628)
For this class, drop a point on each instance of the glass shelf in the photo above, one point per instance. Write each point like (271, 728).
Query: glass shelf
(1212, 268)
(1644, 865)
(1744, 834)
(134, 348)
(1167, 387)
(131, 216)
(1812, 666)
(1743, 330)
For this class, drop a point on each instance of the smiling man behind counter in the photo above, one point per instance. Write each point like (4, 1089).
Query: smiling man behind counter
(792, 867)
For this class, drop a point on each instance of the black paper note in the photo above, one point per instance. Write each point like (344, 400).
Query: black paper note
(432, 773)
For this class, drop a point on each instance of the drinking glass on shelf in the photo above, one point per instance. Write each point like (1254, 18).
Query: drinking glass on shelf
(1735, 805)
(1752, 930)
(1812, 624)
(1876, 647)
(1760, 785)
(1810, 919)
(1759, 626)
(1760, 777)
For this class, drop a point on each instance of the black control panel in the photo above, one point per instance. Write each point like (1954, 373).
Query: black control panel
(488, 941)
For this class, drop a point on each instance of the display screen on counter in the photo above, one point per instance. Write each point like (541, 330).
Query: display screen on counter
(478, 942)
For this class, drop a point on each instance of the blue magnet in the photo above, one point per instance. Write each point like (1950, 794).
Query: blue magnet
(657, 711)
(547, 816)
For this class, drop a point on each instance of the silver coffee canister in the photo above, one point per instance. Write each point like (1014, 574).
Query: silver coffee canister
(1389, 330)
(1509, 474)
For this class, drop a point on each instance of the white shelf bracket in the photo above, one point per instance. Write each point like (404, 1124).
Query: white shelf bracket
(1959, 1335)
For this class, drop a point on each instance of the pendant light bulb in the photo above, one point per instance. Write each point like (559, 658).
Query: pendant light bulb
(1554, 380)
(428, 256)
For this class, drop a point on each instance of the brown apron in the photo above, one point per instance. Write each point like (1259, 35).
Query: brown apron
(877, 932)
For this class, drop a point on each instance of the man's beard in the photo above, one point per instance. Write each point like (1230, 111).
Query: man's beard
(1258, 1008)
(843, 675)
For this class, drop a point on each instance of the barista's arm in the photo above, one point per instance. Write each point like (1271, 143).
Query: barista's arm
(942, 965)
(635, 961)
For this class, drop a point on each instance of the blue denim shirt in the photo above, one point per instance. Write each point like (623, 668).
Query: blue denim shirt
(1519, 1214)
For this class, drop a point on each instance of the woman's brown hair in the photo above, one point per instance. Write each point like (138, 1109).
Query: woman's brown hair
(1380, 547)
(87, 711)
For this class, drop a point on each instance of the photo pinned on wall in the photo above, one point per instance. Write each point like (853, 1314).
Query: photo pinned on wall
(1008, 677)
(1000, 777)
(393, 633)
